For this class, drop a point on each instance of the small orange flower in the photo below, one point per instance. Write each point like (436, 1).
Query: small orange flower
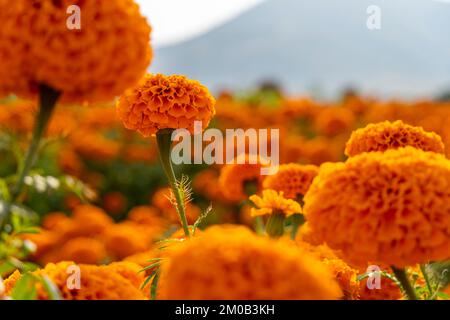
(273, 202)
(344, 274)
(392, 135)
(126, 238)
(165, 102)
(332, 121)
(292, 179)
(83, 250)
(388, 290)
(235, 177)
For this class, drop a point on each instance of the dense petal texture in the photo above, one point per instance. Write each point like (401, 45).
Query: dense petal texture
(233, 263)
(96, 282)
(292, 179)
(272, 202)
(392, 135)
(391, 208)
(160, 102)
(107, 55)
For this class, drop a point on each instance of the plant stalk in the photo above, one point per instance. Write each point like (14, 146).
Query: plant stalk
(47, 102)
(164, 141)
(401, 276)
(275, 225)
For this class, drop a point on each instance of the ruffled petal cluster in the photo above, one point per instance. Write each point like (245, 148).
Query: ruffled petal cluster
(118, 281)
(292, 179)
(272, 202)
(392, 135)
(234, 263)
(391, 208)
(160, 102)
(109, 53)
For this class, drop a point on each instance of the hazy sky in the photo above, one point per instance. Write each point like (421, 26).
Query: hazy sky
(177, 20)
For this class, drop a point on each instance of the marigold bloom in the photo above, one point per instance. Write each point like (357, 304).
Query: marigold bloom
(97, 282)
(273, 202)
(114, 202)
(91, 219)
(130, 271)
(233, 263)
(45, 240)
(126, 238)
(345, 275)
(333, 120)
(292, 179)
(83, 250)
(390, 208)
(234, 178)
(392, 135)
(389, 290)
(165, 102)
(108, 54)
(146, 215)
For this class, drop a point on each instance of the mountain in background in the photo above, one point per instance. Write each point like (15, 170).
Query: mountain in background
(323, 45)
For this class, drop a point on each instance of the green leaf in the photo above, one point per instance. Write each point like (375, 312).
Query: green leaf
(443, 295)
(202, 217)
(6, 268)
(25, 288)
(147, 280)
(154, 286)
(153, 265)
(51, 289)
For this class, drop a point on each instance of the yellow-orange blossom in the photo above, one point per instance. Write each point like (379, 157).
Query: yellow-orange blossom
(390, 208)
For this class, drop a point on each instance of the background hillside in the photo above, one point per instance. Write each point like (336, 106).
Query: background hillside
(323, 46)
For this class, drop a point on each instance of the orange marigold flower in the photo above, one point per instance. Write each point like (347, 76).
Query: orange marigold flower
(91, 219)
(146, 215)
(389, 290)
(332, 121)
(292, 179)
(114, 202)
(97, 282)
(345, 275)
(126, 238)
(307, 235)
(130, 271)
(236, 180)
(392, 135)
(273, 202)
(83, 250)
(45, 240)
(52, 220)
(206, 182)
(389, 208)
(165, 102)
(108, 54)
(250, 267)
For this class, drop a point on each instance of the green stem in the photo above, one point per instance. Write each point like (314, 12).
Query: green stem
(427, 279)
(296, 221)
(47, 102)
(163, 138)
(275, 225)
(401, 276)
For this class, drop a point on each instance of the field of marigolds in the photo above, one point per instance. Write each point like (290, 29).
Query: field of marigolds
(93, 204)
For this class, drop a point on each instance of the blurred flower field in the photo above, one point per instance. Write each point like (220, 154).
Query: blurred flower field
(91, 206)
